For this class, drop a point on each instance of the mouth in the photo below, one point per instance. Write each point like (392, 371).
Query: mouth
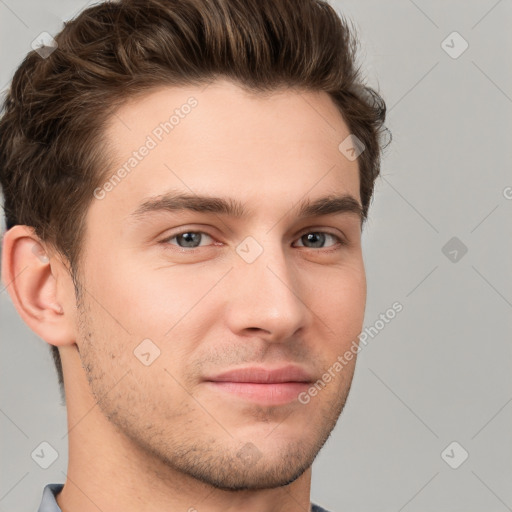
(266, 386)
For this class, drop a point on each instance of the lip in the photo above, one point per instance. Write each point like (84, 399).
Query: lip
(267, 386)
(264, 375)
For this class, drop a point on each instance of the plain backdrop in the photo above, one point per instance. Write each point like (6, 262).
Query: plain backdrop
(434, 385)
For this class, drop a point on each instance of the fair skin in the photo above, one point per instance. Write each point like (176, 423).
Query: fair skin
(171, 436)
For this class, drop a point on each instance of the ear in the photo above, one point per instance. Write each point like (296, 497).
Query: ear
(39, 285)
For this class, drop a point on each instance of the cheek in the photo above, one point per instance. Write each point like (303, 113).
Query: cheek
(340, 303)
(339, 292)
(352, 299)
(153, 302)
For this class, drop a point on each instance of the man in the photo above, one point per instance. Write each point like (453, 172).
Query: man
(185, 187)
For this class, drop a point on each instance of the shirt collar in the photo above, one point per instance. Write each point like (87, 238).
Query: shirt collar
(49, 503)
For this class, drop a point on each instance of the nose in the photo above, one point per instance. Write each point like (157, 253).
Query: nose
(267, 299)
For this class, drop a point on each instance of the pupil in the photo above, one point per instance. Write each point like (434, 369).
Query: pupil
(189, 239)
(319, 236)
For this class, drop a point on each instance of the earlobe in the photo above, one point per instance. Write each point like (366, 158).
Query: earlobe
(35, 283)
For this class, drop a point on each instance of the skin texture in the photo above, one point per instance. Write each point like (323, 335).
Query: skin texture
(159, 437)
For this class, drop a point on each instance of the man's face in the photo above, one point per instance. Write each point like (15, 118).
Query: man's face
(211, 292)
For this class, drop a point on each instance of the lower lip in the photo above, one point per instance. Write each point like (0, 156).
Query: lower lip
(278, 393)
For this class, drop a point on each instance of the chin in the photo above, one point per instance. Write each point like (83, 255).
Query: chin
(261, 476)
(244, 467)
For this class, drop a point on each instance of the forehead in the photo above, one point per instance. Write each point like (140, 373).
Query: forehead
(269, 151)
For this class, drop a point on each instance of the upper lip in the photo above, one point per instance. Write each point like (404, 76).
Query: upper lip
(263, 375)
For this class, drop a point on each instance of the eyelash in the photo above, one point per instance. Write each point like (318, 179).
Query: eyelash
(340, 242)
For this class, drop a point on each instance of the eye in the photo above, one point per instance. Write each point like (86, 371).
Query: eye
(188, 239)
(317, 239)
(310, 240)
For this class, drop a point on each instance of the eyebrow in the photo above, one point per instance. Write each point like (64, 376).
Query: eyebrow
(175, 201)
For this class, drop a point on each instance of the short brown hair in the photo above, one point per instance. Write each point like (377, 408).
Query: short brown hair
(52, 154)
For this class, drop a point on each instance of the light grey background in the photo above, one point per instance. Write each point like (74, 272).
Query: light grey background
(441, 370)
